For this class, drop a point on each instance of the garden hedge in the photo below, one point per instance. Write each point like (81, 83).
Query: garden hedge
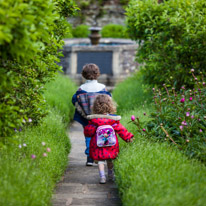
(171, 38)
(31, 35)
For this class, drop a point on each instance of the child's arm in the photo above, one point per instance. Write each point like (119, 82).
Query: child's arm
(77, 105)
(89, 130)
(74, 99)
(123, 132)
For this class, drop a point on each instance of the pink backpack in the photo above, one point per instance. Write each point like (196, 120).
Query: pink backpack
(105, 136)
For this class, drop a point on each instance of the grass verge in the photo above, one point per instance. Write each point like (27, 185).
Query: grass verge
(27, 181)
(152, 173)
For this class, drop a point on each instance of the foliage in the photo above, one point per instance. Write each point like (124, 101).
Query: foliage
(61, 85)
(30, 38)
(137, 93)
(69, 34)
(81, 31)
(149, 173)
(179, 118)
(172, 39)
(124, 2)
(30, 169)
(114, 31)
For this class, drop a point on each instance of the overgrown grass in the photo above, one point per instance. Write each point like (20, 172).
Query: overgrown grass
(30, 182)
(132, 93)
(157, 174)
(59, 95)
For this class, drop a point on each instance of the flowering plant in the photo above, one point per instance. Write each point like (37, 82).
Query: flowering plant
(180, 118)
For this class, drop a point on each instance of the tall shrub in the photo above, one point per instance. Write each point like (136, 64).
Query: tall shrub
(114, 31)
(172, 38)
(30, 37)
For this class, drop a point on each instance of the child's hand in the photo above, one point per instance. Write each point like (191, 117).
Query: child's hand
(131, 140)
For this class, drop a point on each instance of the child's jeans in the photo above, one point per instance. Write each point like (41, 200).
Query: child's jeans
(87, 141)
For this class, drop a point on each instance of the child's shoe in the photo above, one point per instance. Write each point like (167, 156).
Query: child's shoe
(111, 175)
(102, 180)
(89, 161)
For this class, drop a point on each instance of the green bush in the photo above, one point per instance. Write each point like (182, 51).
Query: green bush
(30, 38)
(114, 31)
(124, 2)
(30, 169)
(151, 173)
(69, 34)
(179, 118)
(81, 31)
(154, 174)
(172, 39)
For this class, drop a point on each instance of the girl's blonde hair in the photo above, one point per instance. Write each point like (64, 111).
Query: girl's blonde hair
(103, 104)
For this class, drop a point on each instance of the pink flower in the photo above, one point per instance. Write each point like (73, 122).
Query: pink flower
(190, 98)
(200, 130)
(203, 83)
(48, 149)
(33, 156)
(192, 117)
(192, 70)
(132, 117)
(43, 143)
(44, 154)
(172, 102)
(182, 100)
(184, 123)
(143, 130)
(144, 113)
(187, 140)
(187, 114)
(181, 127)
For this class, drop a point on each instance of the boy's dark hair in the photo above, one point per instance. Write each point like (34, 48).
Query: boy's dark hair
(90, 71)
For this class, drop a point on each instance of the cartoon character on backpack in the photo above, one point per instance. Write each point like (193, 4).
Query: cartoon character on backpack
(105, 136)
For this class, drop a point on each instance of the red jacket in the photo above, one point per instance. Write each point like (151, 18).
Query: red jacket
(103, 153)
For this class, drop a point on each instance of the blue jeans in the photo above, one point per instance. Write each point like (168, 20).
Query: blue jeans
(87, 141)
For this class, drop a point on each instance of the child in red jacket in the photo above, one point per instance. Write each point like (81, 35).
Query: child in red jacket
(102, 128)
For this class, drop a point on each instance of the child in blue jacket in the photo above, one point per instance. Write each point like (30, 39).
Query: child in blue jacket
(84, 97)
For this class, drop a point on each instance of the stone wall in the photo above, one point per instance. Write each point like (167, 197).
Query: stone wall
(121, 59)
(110, 12)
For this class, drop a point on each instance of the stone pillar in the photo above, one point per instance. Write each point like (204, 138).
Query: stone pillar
(73, 63)
(115, 63)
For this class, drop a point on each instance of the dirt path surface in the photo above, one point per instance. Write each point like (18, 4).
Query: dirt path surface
(80, 184)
